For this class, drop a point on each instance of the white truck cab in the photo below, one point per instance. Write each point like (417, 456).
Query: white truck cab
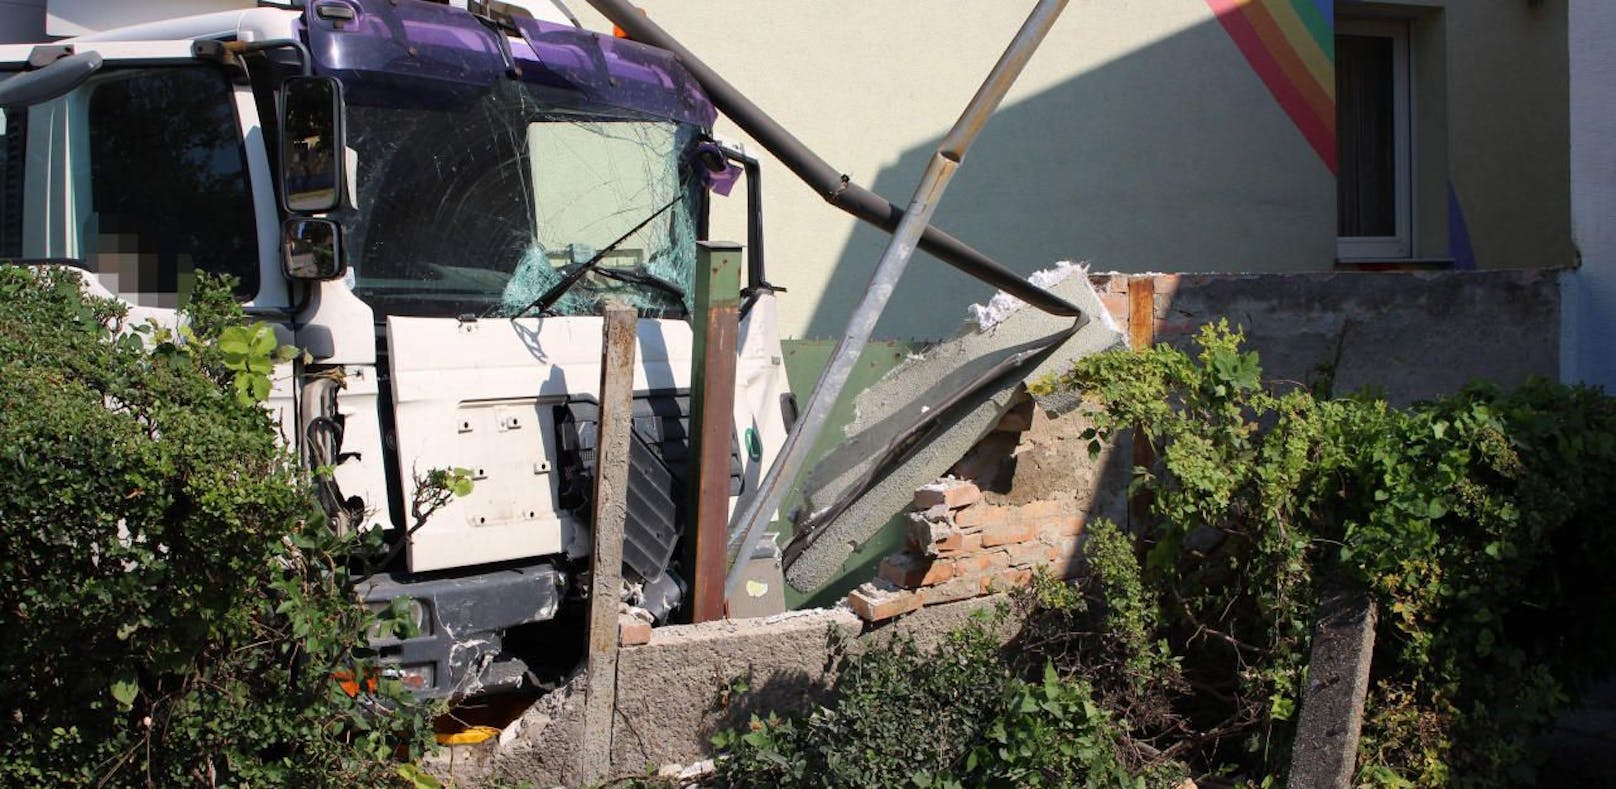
(434, 201)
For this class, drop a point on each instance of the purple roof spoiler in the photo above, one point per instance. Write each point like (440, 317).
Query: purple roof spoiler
(429, 49)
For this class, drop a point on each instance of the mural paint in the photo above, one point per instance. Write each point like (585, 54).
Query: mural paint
(1291, 46)
(1460, 248)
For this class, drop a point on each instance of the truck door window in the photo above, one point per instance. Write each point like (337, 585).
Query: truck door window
(168, 185)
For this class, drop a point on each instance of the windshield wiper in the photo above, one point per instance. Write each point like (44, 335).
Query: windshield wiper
(547, 299)
(641, 278)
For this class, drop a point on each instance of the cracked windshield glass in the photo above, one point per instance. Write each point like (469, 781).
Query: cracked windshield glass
(484, 207)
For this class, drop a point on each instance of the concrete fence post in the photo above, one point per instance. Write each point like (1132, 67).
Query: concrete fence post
(610, 511)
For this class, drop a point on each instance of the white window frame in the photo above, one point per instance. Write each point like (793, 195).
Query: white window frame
(1400, 245)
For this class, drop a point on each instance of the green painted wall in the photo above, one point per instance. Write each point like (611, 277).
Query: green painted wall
(805, 360)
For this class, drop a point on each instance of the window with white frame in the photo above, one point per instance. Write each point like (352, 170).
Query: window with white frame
(1374, 186)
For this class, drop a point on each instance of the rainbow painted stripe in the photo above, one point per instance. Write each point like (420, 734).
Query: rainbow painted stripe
(1291, 46)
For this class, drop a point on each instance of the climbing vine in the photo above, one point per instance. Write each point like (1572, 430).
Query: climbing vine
(1479, 523)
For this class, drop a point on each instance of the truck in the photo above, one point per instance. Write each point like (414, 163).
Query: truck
(434, 200)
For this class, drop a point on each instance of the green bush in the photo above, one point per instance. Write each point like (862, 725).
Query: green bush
(965, 714)
(1479, 522)
(174, 609)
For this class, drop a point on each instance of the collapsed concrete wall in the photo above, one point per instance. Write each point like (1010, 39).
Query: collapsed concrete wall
(684, 685)
(1018, 500)
(1411, 335)
(1030, 482)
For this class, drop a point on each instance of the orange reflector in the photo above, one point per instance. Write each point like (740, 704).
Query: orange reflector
(345, 680)
(620, 32)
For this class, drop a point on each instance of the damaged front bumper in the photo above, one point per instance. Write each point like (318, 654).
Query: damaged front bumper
(458, 649)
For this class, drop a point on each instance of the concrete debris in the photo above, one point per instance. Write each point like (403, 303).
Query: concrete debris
(1326, 749)
(885, 411)
(991, 314)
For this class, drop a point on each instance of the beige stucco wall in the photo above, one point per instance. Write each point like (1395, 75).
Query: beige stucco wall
(1138, 139)
(1509, 129)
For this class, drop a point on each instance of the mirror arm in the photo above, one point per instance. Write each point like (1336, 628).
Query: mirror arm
(227, 51)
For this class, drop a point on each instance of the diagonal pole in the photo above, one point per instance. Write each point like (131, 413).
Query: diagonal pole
(749, 524)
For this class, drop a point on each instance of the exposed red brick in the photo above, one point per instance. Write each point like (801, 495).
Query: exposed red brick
(1043, 508)
(911, 571)
(1027, 554)
(1065, 558)
(1167, 284)
(1009, 532)
(876, 605)
(980, 516)
(1117, 305)
(1110, 283)
(982, 562)
(632, 631)
(1004, 580)
(952, 494)
(1055, 529)
(966, 543)
(1178, 328)
(957, 589)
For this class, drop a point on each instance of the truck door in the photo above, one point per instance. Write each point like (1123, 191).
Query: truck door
(141, 178)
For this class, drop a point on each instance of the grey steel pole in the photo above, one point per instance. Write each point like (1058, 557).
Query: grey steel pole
(748, 526)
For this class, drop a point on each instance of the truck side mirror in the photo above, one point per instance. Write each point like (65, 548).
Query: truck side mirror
(313, 152)
(311, 249)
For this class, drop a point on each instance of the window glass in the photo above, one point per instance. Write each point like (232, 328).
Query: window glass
(168, 185)
(1367, 116)
(484, 206)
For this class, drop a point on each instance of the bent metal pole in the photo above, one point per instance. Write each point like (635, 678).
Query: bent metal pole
(750, 522)
(836, 188)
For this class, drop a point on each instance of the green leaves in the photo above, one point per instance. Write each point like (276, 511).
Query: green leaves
(125, 687)
(172, 603)
(251, 352)
(1478, 521)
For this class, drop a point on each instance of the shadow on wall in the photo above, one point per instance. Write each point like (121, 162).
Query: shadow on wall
(1174, 157)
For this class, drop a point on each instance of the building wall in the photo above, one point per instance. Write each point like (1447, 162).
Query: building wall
(1144, 135)
(21, 21)
(1590, 329)
(1141, 137)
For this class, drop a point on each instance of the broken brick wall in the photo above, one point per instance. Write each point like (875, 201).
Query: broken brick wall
(1020, 498)
(1016, 503)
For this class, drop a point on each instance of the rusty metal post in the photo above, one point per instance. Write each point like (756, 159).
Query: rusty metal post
(712, 419)
(611, 511)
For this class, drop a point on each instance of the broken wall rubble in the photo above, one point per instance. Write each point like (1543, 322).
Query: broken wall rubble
(1026, 478)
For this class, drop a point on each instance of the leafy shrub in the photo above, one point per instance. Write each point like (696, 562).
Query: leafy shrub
(962, 715)
(1478, 522)
(174, 609)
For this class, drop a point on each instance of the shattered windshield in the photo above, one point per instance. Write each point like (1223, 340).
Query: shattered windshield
(481, 208)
